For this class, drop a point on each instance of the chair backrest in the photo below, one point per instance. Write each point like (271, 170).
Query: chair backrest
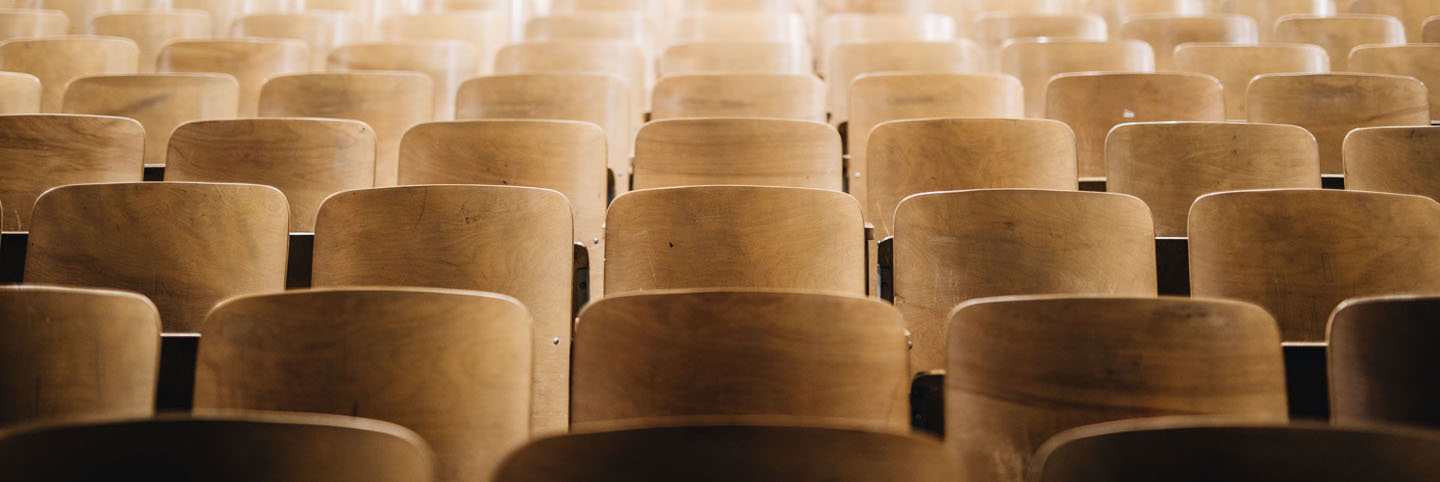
(1035, 61)
(1393, 159)
(1419, 61)
(152, 29)
(1331, 105)
(358, 352)
(42, 151)
(707, 7)
(1430, 30)
(57, 60)
(1299, 253)
(32, 23)
(735, 237)
(1338, 34)
(760, 152)
(1093, 103)
(925, 155)
(787, 27)
(736, 57)
(75, 353)
(718, 452)
(1189, 448)
(780, 96)
(849, 61)
(161, 102)
(222, 447)
(485, 31)
(993, 30)
(1236, 65)
(1022, 369)
(731, 353)
(445, 62)
(623, 59)
(861, 27)
(389, 102)
(321, 31)
(878, 98)
(186, 246)
(1380, 350)
(959, 245)
(1117, 12)
(623, 26)
(308, 159)
(1267, 12)
(20, 93)
(1170, 164)
(1166, 31)
(1411, 13)
(250, 61)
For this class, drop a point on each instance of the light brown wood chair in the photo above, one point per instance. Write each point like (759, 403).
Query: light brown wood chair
(619, 58)
(42, 151)
(1418, 61)
(599, 99)
(1166, 31)
(858, 27)
(454, 366)
(485, 31)
(1093, 103)
(959, 245)
(511, 240)
(220, 447)
(1393, 159)
(1338, 34)
(1236, 65)
(1430, 30)
(741, 353)
(321, 31)
(307, 159)
(1380, 354)
(57, 60)
(734, 237)
(32, 23)
(1194, 449)
(970, 11)
(878, 98)
(850, 61)
(20, 93)
(1299, 253)
(389, 102)
(778, 96)
(186, 246)
(161, 102)
(993, 30)
(1170, 164)
(152, 29)
(1035, 61)
(1117, 12)
(737, 6)
(74, 353)
(1331, 105)
(587, 26)
(914, 156)
(784, 27)
(250, 61)
(446, 63)
(736, 57)
(1023, 369)
(1411, 13)
(1267, 12)
(750, 151)
(722, 451)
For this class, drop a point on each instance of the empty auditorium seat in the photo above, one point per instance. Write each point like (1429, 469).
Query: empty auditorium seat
(872, 27)
(485, 31)
(736, 57)
(42, 151)
(1093, 103)
(1418, 61)
(1393, 159)
(152, 29)
(781, 96)
(321, 31)
(20, 93)
(614, 57)
(1411, 13)
(1331, 105)
(1380, 356)
(1035, 61)
(160, 102)
(57, 60)
(1166, 31)
(250, 61)
(850, 61)
(1236, 65)
(753, 27)
(32, 23)
(1338, 34)
(993, 30)
(446, 63)
(762, 152)
(1267, 12)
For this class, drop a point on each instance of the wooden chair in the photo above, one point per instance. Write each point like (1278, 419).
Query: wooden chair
(719, 452)
(250, 61)
(57, 60)
(1393, 159)
(321, 31)
(510, 240)
(1379, 355)
(1118, 12)
(32, 23)
(843, 28)
(736, 57)
(780, 27)
(1411, 13)
(1267, 12)
(1418, 61)
(960, 245)
(777, 96)
(362, 352)
(738, 6)
(749, 151)
(389, 102)
(485, 31)
(1337, 35)
(970, 11)
(1166, 31)
(20, 93)
(1299, 253)
(151, 30)
(741, 353)
(161, 102)
(73, 353)
(914, 156)
(81, 13)
(1236, 65)
(1170, 164)
(1022, 369)
(1093, 103)
(1350, 101)
(221, 447)
(877, 98)
(184, 245)
(583, 26)
(599, 57)
(599, 99)
(849, 61)
(734, 237)
(446, 63)
(306, 159)
(993, 30)
(42, 151)
(1430, 30)
(1193, 449)
(1035, 61)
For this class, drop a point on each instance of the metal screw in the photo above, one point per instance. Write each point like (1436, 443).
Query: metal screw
(597, 240)
(555, 341)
